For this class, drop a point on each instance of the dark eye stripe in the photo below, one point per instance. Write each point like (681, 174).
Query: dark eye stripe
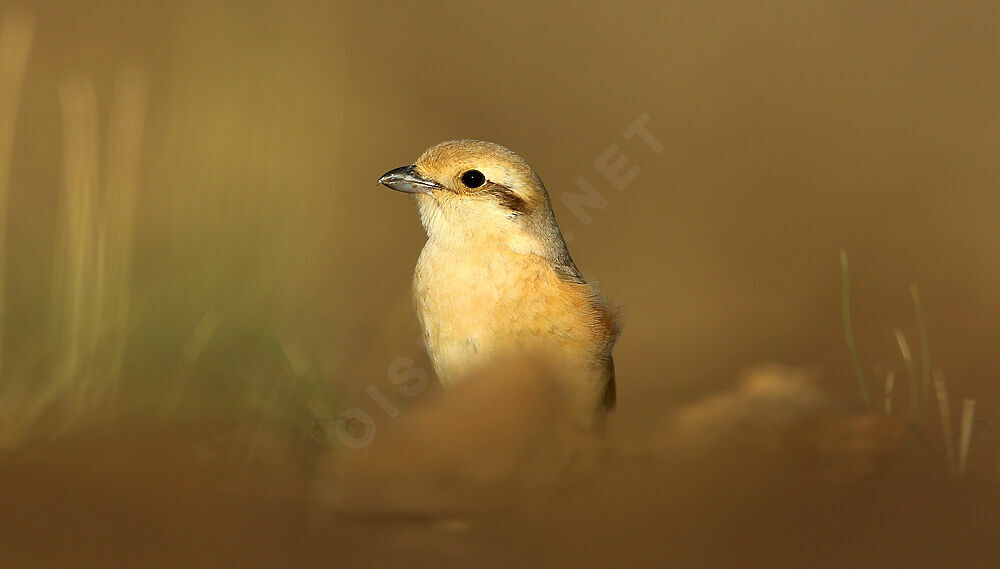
(507, 198)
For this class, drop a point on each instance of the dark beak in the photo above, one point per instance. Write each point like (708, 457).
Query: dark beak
(407, 180)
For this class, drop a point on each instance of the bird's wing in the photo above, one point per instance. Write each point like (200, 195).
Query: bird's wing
(610, 392)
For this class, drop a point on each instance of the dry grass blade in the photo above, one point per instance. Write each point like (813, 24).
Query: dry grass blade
(62, 396)
(890, 380)
(16, 33)
(965, 435)
(92, 275)
(199, 339)
(79, 256)
(911, 372)
(203, 332)
(925, 352)
(124, 144)
(945, 410)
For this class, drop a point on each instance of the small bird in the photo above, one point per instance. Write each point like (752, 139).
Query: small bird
(495, 279)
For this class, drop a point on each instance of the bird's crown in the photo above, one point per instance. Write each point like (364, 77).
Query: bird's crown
(480, 169)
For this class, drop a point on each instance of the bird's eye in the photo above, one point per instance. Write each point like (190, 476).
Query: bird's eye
(473, 179)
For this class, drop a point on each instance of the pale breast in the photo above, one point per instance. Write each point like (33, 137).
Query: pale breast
(474, 306)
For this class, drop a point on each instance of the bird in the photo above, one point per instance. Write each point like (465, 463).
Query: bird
(495, 278)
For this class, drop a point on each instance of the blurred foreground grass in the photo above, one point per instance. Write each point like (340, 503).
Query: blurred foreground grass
(163, 279)
(954, 448)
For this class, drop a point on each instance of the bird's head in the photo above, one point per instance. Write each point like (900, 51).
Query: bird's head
(470, 188)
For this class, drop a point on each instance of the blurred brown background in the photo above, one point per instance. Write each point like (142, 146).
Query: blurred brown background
(790, 130)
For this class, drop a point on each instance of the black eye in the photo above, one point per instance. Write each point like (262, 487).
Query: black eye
(473, 179)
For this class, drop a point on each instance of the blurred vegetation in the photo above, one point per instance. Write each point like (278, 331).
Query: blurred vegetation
(955, 447)
(174, 258)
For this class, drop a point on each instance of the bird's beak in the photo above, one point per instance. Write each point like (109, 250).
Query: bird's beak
(406, 179)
